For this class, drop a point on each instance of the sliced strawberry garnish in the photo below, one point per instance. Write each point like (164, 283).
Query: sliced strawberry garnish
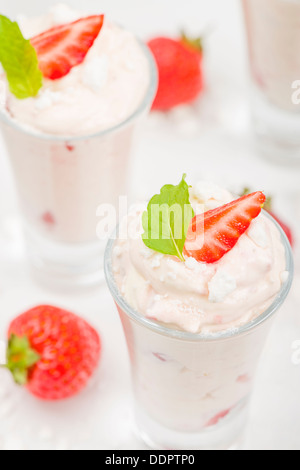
(212, 234)
(63, 47)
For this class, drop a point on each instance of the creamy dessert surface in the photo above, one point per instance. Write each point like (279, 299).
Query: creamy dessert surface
(199, 297)
(96, 95)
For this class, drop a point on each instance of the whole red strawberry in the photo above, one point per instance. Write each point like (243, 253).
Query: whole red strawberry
(52, 352)
(179, 65)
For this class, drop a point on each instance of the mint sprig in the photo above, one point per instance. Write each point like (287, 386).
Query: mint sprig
(19, 61)
(167, 220)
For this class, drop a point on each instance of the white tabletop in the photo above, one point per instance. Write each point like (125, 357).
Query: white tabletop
(211, 140)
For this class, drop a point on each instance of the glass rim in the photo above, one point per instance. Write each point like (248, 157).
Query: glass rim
(143, 105)
(198, 337)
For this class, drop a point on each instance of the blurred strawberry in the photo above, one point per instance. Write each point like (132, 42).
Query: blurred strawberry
(52, 352)
(179, 65)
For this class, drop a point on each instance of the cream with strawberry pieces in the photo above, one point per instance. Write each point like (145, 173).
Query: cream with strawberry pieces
(190, 305)
(194, 284)
(95, 75)
(224, 279)
(69, 118)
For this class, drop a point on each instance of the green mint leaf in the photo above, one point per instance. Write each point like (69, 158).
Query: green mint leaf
(167, 220)
(19, 60)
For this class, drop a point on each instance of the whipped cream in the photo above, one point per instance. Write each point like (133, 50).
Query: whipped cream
(96, 95)
(199, 297)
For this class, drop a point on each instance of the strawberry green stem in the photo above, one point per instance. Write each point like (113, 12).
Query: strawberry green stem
(20, 358)
(194, 43)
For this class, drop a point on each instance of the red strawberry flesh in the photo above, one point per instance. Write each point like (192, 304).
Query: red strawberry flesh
(63, 47)
(48, 219)
(215, 420)
(68, 347)
(180, 73)
(213, 234)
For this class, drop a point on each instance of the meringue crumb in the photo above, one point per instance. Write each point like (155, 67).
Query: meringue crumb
(192, 264)
(95, 73)
(47, 98)
(155, 263)
(220, 286)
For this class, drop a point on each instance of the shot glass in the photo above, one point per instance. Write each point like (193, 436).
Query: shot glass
(273, 31)
(62, 181)
(191, 391)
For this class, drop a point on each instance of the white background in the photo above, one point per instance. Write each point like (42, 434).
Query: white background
(212, 140)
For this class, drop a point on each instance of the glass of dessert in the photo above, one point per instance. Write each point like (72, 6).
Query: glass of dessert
(273, 29)
(68, 116)
(197, 283)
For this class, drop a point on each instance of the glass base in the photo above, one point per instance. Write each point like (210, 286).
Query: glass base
(226, 435)
(66, 266)
(278, 130)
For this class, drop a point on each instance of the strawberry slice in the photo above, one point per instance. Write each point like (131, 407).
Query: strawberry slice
(213, 234)
(63, 47)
